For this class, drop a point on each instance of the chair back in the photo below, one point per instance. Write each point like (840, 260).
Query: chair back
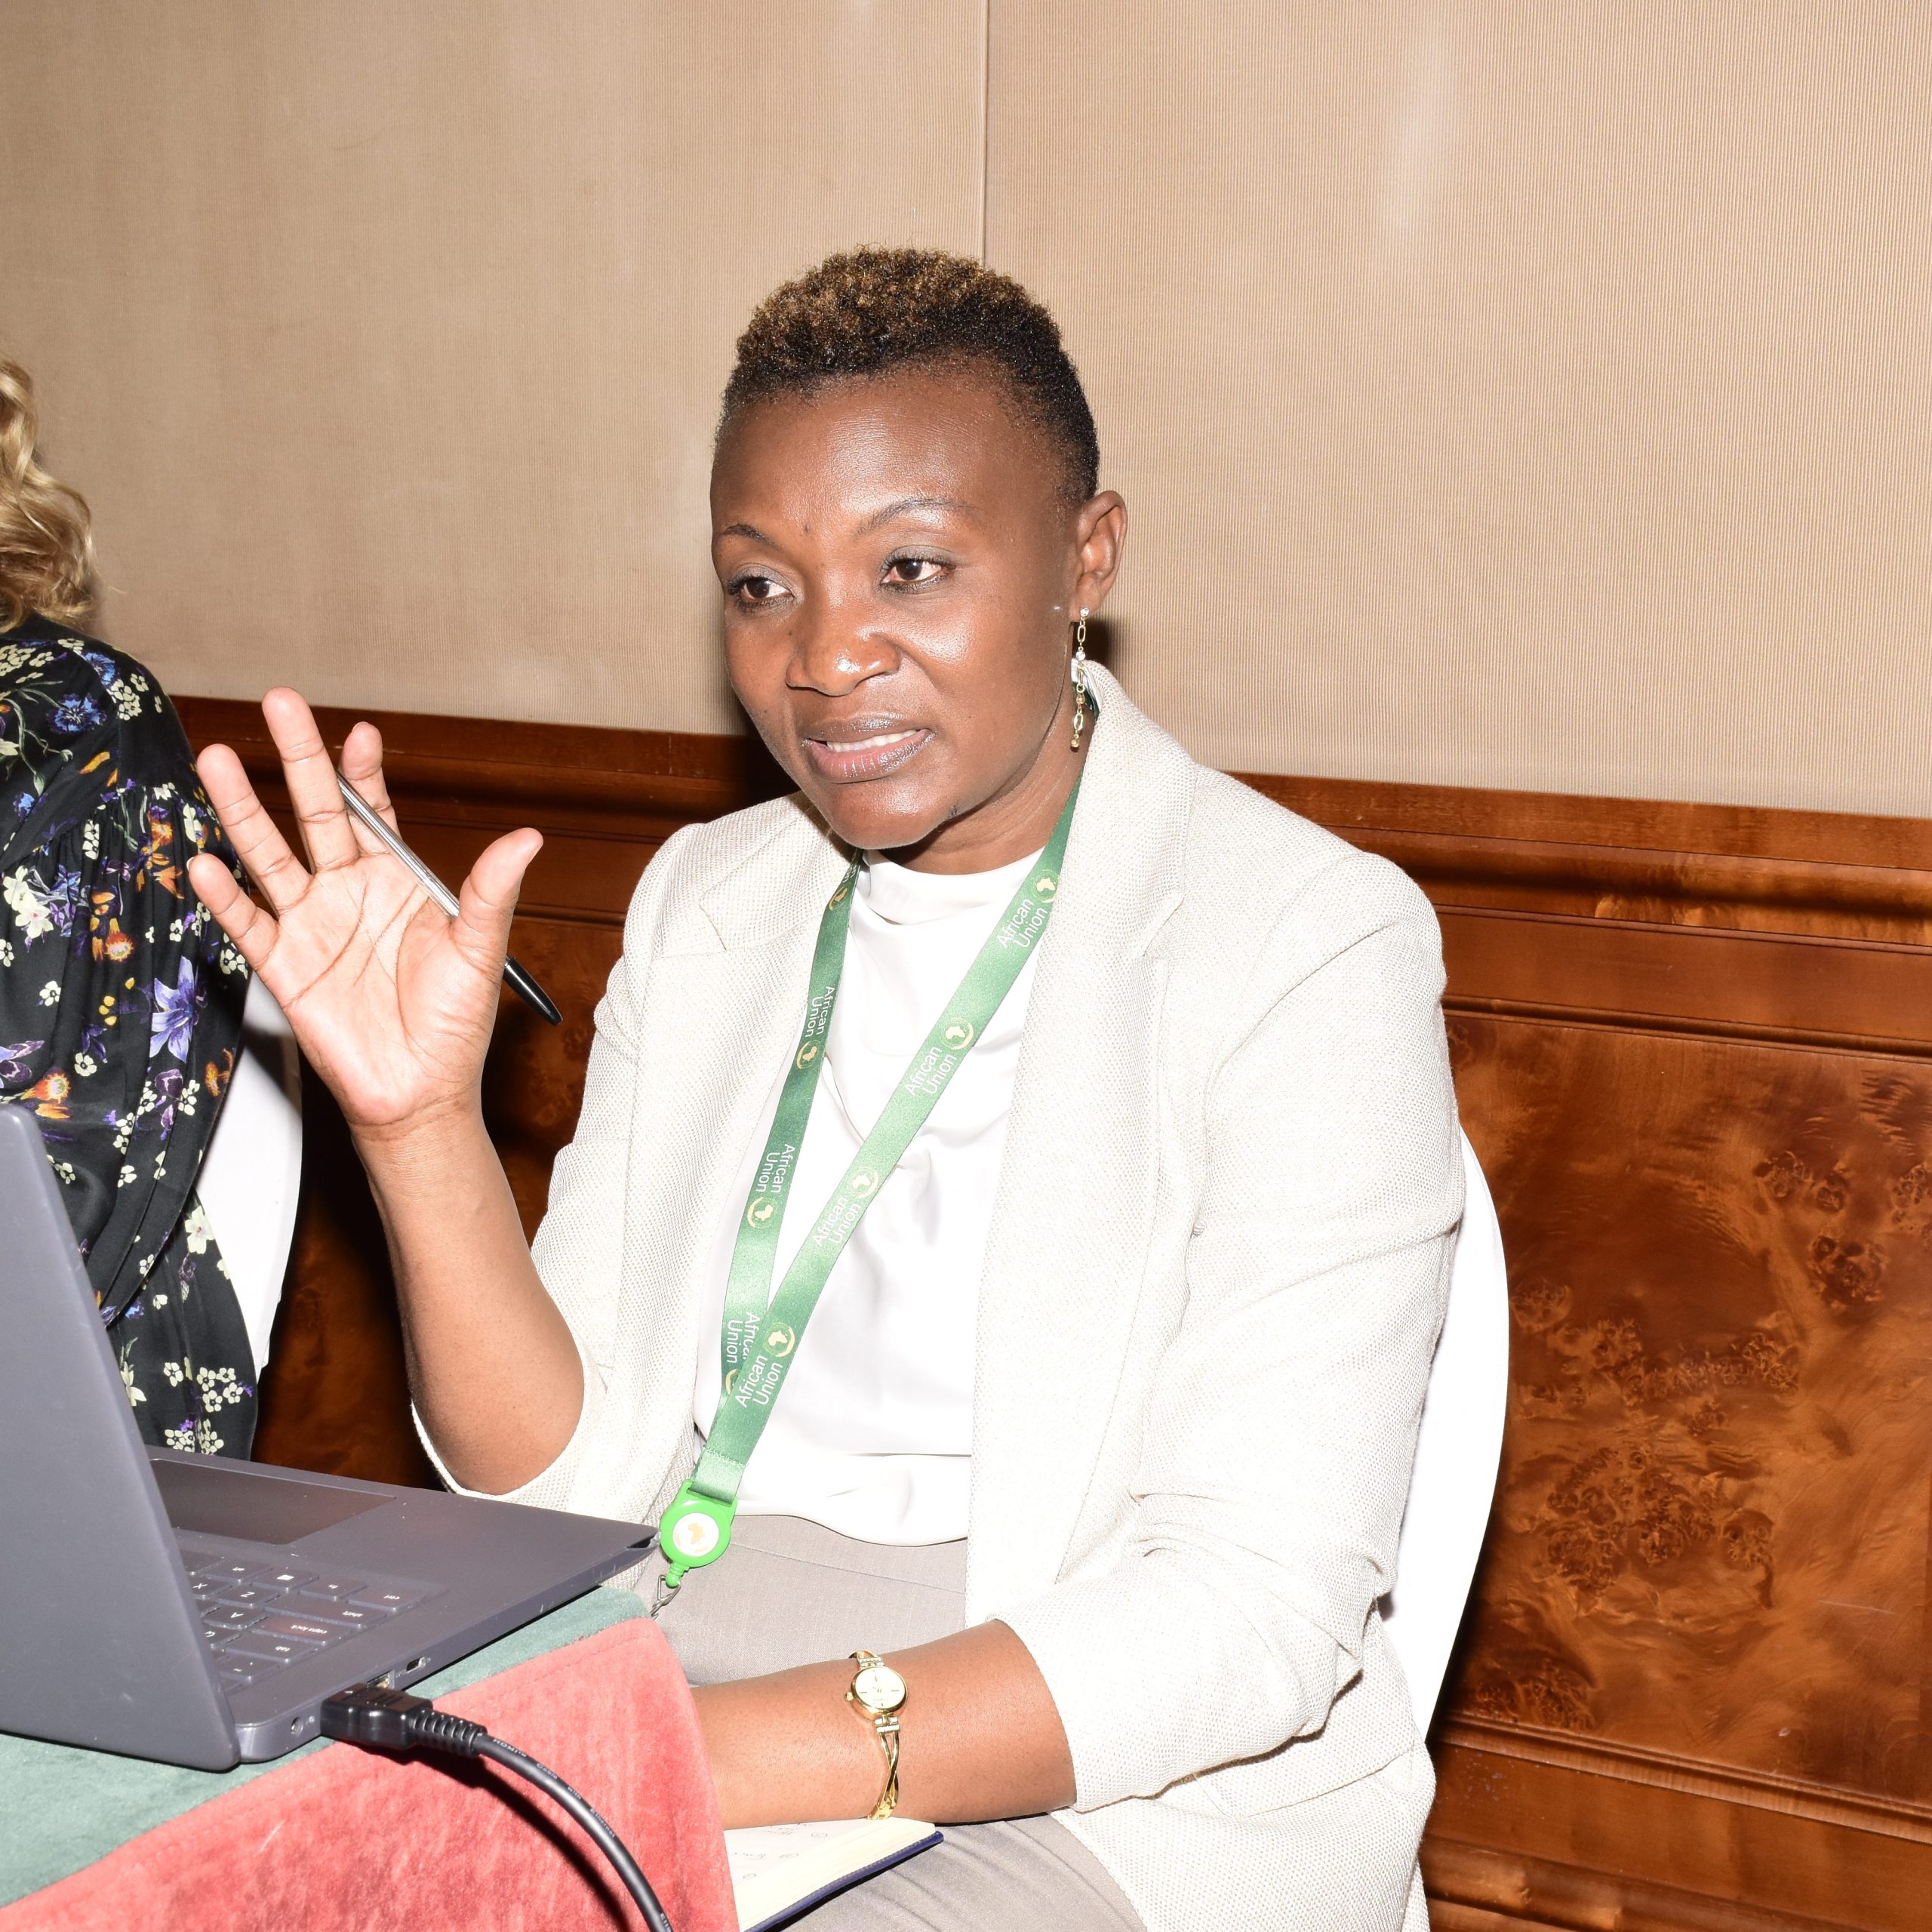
(252, 1174)
(1457, 1454)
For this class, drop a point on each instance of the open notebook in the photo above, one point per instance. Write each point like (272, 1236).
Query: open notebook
(779, 1871)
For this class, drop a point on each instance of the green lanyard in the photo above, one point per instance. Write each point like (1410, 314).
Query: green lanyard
(762, 1331)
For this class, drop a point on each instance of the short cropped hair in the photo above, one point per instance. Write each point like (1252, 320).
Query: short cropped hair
(873, 310)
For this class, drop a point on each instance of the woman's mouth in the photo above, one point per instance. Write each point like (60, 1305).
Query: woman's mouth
(858, 753)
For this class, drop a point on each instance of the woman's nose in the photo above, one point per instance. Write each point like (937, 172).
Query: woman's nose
(835, 657)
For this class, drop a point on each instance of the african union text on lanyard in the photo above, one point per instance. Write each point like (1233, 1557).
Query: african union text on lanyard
(762, 1330)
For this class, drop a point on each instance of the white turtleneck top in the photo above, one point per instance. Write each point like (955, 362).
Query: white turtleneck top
(873, 1431)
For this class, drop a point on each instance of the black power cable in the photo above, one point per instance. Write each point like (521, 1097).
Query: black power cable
(380, 1719)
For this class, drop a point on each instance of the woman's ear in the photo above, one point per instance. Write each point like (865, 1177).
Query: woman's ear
(1099, 534)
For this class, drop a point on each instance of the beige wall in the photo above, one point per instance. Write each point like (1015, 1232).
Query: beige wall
(1517, 394)
(386, 337)
(1504, 394)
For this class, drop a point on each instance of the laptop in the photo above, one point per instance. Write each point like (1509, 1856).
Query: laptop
(199, 1611)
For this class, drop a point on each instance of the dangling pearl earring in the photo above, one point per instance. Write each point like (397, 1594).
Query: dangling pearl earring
(1077, 670)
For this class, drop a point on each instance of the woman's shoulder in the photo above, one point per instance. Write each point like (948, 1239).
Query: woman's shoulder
(1247, 869)
(62, 686)
(1273, 900)
(63, 653)
(1289, 862)
(733, 879)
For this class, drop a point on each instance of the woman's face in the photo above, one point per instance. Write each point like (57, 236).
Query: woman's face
(899, 563)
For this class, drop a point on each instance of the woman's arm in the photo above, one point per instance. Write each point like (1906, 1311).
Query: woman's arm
(978, 1738)
(493, 1369)
(1275, 1463)
(393, 1004)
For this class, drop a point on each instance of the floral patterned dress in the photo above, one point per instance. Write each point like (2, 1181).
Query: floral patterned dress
(120, 1014)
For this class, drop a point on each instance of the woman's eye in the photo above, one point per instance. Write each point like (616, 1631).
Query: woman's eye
(914, 569)
(754, 588)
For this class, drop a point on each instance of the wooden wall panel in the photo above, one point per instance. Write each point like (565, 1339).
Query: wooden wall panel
(1693, 1047)
(1722, 1356)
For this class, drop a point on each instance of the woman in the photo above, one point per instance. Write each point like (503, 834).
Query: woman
(120, 1001)
(1088, 1396)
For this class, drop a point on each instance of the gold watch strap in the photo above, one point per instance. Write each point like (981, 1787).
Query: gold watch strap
(888, 1736)
(885, 1727)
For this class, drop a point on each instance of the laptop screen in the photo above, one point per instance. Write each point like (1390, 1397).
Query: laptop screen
(225, 1499)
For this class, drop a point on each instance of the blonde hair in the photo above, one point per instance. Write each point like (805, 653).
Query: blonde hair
(46, 537)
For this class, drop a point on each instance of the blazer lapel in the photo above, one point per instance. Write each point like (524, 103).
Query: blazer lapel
(702, 1094)
(1072, 1220)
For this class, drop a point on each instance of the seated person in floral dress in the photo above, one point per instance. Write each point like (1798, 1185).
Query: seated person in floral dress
(120, 1000)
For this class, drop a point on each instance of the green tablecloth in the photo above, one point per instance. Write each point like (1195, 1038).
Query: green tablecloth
(61, 1808)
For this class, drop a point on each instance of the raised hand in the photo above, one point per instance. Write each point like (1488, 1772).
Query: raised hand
(392, 1002)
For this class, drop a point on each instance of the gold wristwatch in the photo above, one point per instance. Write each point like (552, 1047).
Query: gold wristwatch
(878, 1695)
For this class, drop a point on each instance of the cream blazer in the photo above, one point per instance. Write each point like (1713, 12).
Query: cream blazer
(1218, 1267)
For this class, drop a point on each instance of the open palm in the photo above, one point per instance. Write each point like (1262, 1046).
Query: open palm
(391, 1001)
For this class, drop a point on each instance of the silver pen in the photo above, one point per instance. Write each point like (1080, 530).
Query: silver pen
(516, 978)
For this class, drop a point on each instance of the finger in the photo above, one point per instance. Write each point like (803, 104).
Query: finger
(310, 773)
(362, 766)
(259, 845)
(253, 931)
(488, 901)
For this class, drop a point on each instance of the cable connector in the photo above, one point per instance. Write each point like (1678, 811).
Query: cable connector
(381, 1719)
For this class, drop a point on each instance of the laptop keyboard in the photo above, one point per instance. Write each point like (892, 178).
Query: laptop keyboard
(258, 1618)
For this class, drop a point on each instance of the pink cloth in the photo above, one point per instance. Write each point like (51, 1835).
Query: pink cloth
(349, 1840)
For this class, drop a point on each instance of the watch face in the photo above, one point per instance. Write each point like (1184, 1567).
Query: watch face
(879, 1687)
